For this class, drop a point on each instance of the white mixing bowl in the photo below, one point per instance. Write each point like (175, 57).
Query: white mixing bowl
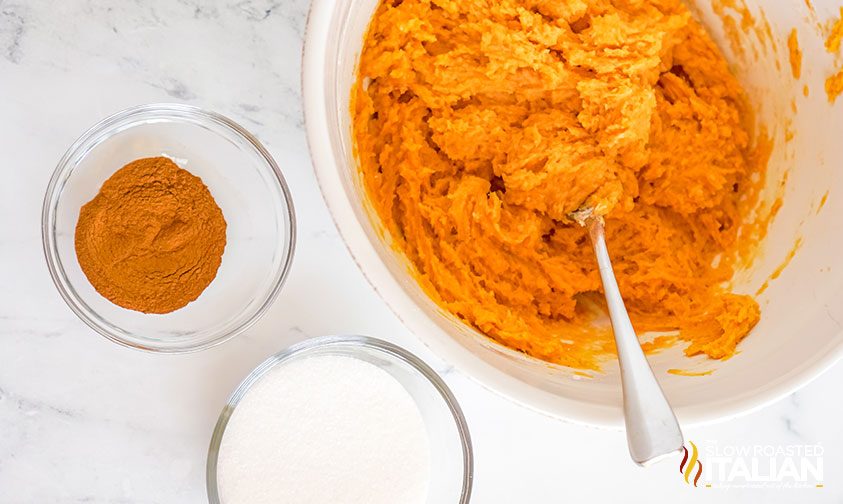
(801, 329)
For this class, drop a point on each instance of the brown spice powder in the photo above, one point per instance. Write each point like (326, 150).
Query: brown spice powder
(153, 237)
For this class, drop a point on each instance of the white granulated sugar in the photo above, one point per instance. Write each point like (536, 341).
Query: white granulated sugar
(325, 429)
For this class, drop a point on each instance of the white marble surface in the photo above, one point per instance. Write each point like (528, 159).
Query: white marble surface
(83, 420)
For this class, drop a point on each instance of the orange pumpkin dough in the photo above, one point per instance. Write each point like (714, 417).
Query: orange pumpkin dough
(479, 125)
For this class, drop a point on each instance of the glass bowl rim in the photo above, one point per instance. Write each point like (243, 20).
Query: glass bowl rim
(391, 350)
(101, 132)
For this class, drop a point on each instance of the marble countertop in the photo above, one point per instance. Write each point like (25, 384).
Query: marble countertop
(83, 420)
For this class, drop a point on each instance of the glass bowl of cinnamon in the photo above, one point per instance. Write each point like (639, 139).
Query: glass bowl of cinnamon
(168, 228)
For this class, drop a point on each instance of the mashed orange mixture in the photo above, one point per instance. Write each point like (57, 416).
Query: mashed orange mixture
(480, 125)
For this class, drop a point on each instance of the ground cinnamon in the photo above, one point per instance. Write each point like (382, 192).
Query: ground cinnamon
(153, 237)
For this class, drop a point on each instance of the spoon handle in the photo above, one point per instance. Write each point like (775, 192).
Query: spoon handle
(652, 430)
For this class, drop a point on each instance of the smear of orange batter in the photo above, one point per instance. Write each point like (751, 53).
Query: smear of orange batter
(780, 268)
(834, 86)
(738, 21)
(835, 36)
(834, 83)
(795, 54)
(480, 125)
(812, 14)
(822, 201)
(731, 28)
(684, 372)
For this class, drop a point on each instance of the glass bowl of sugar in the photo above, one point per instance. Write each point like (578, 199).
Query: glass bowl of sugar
(347, 419)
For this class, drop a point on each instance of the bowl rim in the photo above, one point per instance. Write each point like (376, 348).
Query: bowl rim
(95, 136)
(325, 165)
(302, 349)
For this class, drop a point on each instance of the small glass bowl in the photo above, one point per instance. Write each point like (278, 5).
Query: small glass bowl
(452, 460)
(245, 182)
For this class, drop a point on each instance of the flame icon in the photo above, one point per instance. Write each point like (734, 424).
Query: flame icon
(687, 470)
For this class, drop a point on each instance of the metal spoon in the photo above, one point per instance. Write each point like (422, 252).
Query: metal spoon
(652, 430)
